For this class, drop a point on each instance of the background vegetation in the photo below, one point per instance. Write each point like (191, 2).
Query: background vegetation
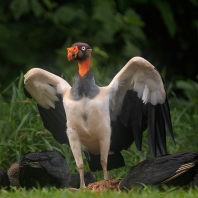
(36, 33)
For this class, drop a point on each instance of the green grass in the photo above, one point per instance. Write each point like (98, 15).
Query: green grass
(21, 131)
(147, 192)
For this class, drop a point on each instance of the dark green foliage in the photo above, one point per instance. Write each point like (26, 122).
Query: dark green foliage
(35, 33)
(185, 115)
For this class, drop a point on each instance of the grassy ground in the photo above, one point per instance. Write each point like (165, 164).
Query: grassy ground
(145, 193)
(22, 131)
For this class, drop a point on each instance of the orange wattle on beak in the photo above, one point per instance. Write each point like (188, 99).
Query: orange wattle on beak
(72, 53)
(70, 56)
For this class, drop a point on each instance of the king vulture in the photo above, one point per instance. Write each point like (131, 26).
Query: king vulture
(102, 121)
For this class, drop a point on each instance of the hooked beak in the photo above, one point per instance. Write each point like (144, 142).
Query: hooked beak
(72, 53)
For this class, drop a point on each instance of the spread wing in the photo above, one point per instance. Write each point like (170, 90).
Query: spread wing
(137, 102)
(47, 90)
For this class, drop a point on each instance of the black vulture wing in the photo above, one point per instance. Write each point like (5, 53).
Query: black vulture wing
(47, 90)
(138, 101)
(44, 168)
(179, 169)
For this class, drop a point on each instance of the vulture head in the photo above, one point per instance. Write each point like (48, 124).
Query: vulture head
(79, 51)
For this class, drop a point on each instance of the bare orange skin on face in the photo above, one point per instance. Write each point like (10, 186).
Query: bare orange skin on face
(83, 66)
(71, 51)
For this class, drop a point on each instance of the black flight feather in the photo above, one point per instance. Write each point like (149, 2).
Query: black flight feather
(151, 129)
(131, 115)
(55, 121)
(136, 117)
(161, 132)
(167, 119)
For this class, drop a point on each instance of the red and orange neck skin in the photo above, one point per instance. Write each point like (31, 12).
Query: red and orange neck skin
(84, 66)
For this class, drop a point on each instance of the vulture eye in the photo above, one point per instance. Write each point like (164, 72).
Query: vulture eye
(83, 48)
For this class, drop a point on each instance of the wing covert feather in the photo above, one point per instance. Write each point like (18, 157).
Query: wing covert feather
(43, 86)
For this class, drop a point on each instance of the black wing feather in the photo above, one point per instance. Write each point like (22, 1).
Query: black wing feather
(167, 119)
(151, 129)
(161, 132)
(155, 171)
(54, 120)
(132, 117)
(121, 137)
(135, 118)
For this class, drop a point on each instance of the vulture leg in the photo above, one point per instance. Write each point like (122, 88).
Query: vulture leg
(104, 150)
(76, 150)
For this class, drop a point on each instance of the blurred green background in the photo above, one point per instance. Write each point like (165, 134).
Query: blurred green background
(35, 33)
